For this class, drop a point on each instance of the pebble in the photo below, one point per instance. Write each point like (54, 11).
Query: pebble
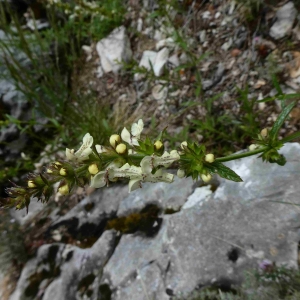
(285, 17)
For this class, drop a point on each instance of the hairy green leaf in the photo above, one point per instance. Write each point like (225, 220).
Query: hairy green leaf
(291, 137)
(223, 171)
(281, 118)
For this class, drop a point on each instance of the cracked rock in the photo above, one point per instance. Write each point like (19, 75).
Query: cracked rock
(68, 271)
(237, 226)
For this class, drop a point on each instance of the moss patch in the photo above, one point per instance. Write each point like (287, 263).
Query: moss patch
(146, 221)
(84, 285)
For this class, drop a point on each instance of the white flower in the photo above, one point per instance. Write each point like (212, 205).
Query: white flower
(183, 145)
(136, 130)
(150, 162)
(136, 176)
(100, 149)
(102, 178)
(159, 176)
(83, 152)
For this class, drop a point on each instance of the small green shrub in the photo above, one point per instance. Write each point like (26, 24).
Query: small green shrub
(276, 283)
(12, 248)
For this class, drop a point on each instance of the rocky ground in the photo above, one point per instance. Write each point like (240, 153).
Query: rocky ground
(230, 49)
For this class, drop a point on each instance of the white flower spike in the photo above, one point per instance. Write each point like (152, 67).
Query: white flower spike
(136, 130)
(136, 176)
(83, 152)
(150, 162)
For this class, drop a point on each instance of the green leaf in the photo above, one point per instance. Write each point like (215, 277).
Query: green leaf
(281, 118)
(198, 91)
(291, 137)
(291, 96)
(267, 99)
(208, 102)
(223, 171)
(276, 84)
(281, 160)
(161, 134)
(183, 66)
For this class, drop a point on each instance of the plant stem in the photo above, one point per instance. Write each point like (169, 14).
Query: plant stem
(81, 168)
(241, 155)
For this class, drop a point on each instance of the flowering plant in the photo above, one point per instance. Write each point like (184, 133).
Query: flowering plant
(139, 159)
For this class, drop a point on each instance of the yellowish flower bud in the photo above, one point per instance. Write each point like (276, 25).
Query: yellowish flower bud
(210, 158)
(158, 145)
(183, 144)
(64, 190)
(206, 178)
(63, 172)
(49, 171)
(114, 140)
(253, 147)
(180, 173)
(264, 132)
(93, 169)
(31, 184)
(121, 148)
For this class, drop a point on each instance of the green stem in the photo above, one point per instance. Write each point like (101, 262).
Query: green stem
(259, 150)
(241, 155)
(80, 169)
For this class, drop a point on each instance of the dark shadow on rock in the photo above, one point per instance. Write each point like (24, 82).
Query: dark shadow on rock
(87, 233)
(146, 222)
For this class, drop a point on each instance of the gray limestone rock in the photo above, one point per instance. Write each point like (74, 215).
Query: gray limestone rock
(209, 237)
(101, 204)
(285, 17)
(164, 195)
(231, 231)
(64, 272)
(114, 49)
(12, 100)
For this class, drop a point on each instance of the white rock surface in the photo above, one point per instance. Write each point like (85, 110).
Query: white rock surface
(114, 49)
(285, 17)
(169, 42)
(174, 60)
(150, 59)
(199, 196)
(159, 92)
(147, 60)
(160, 61)
(139, 25)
